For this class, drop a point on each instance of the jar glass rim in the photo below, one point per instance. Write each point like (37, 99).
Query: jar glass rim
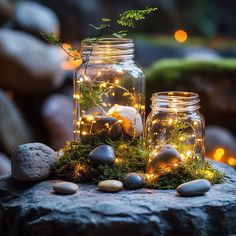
(107, 40)
(176, 94)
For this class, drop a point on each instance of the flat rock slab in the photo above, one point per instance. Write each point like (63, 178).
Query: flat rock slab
(36, 210)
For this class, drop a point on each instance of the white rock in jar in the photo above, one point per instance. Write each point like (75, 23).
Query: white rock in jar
(131, 120)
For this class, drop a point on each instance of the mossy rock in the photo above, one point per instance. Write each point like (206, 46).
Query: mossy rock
(170, 71)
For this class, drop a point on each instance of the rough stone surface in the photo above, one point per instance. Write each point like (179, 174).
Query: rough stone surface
(32, 162)
(194, 187)
(37, 209)
(35, 18)
(36, 64)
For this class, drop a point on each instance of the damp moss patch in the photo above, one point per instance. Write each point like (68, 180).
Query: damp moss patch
(130, 157)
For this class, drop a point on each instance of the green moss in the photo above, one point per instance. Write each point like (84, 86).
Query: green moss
(174, 69)
(186, 171)
(74, 166)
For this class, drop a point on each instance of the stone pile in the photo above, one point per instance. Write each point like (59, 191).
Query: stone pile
(35, 93)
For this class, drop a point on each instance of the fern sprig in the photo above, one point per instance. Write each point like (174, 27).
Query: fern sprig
(52, 39)
(128, 18)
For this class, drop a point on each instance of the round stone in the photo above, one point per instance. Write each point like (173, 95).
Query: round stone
(102, 127)
(131, 120)
(103, 154)
(65, 188)
(110, 185)
(166, 159)
(32, 162)
(133, 181)
(194, 188)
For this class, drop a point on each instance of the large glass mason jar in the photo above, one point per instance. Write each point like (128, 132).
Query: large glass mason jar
(109, 92)
(174, 131)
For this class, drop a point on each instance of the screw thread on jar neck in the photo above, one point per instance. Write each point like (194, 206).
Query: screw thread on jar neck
(107, 49)
(175, 101)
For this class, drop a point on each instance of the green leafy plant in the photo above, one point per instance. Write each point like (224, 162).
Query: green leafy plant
(91, 96)
(128, 18)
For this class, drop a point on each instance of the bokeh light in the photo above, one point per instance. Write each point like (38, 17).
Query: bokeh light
(181, 36)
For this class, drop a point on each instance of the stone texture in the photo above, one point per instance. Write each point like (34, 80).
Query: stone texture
(36, 64)
(35, 18)
(13, 128)
(57, 113)
(32, 162)
(31, 210)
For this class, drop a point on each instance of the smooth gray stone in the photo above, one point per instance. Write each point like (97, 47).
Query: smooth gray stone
(144, 212)
(65, 188)
(165, 158)
(133, 181)
(103, 154)
(194, 188)
(32, 162)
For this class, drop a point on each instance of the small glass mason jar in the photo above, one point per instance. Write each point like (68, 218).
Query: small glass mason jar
(174, 130)
(109, 92)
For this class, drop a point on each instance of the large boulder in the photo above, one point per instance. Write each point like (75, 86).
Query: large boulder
(33, 210)
(57, 113)
(35, 18)
(28, 65)
(13, 127)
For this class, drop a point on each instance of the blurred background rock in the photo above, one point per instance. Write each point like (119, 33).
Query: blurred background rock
(186, 45)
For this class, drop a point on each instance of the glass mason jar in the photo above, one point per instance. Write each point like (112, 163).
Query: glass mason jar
(174, 130)
(109, 92)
